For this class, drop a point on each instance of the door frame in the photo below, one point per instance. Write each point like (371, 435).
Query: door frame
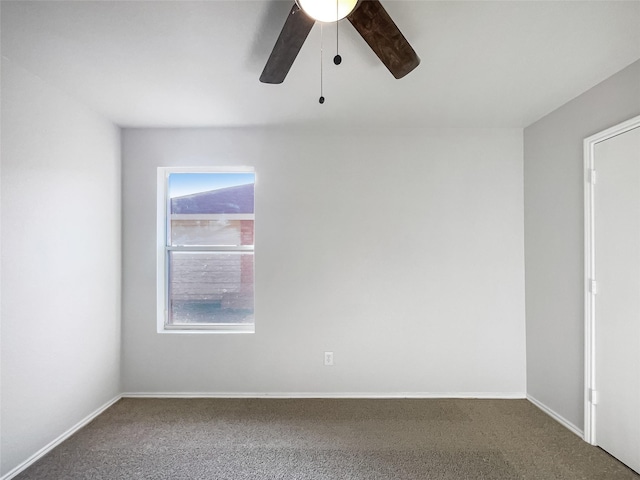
(590, 290)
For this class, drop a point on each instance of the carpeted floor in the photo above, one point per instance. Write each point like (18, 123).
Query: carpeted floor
(328, 439)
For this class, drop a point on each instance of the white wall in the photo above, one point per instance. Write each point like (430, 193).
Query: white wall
(554, 238)
(60, 264)
(400, 251)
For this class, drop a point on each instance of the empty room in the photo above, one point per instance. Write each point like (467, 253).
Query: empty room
(334, 239)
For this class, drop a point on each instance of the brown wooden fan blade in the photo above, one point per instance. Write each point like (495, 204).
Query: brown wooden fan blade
(373, 22)
(294, 33)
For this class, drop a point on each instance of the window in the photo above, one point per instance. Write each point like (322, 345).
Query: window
(205, 250)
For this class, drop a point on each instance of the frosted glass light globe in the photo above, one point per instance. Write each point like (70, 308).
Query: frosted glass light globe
(327, 10)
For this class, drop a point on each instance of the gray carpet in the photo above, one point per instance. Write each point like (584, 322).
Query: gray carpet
(329, 439)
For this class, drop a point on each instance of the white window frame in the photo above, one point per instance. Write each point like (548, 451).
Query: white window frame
(163, 248)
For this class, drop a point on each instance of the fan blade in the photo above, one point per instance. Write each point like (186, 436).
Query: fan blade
(294, 32)
(373, 22)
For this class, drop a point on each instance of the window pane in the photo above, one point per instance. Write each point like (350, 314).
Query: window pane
(210, 287)
(215, 232)
(212, 192)
(213, 209)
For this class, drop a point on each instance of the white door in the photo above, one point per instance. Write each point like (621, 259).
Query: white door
(617, 302)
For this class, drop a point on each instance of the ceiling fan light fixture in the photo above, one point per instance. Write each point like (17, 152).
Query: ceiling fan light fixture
(368, 17)
(327, 10)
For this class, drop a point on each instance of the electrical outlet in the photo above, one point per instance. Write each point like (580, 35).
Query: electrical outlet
(328, 358)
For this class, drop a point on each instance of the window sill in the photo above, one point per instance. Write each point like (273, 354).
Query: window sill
(199, 329)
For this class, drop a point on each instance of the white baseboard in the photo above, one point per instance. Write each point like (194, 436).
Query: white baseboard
(556, 416)
(485, 395)
(47, 448)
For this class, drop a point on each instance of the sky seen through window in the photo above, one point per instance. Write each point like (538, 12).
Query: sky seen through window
(181, 184)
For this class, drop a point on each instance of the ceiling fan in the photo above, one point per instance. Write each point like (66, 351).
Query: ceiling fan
(368, 17)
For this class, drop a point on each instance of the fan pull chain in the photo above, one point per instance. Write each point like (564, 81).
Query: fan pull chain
(321, 99)
(337, 59)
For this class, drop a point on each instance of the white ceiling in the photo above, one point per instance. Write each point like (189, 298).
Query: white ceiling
(183, 63)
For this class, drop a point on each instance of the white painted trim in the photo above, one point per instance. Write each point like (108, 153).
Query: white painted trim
(211, 169)
(469, 395)
(161, 255)
(556, 416)
(50, 446)
(213, 216)
(590, 272)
